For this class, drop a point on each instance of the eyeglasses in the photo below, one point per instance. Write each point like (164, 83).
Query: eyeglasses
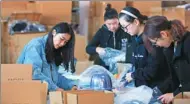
(155, 42)
(125, 28)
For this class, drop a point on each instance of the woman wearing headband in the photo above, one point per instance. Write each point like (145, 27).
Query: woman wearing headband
(109, 35)
(176, 39)
(151, 68)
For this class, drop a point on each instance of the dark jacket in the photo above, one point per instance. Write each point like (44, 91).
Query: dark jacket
(105, 38)
(151, 69)
(180, 63)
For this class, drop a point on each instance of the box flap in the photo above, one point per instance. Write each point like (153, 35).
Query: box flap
(72, 98)
(55, 97)
(16, 72)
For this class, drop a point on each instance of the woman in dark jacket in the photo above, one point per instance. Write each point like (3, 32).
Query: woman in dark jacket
(173, 36)
(109, 35)
(151, 68)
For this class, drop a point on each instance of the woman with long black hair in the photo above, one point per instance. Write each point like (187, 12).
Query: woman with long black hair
(46, 53)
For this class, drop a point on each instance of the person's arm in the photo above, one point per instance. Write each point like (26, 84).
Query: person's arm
(33, 56)
(154, 62)
(94, 43)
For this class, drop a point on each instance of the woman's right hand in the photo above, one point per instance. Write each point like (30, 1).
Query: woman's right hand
(100, 51)
(166, 98)
(59, 89)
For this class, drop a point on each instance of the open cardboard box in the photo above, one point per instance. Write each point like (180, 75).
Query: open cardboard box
(23, 92)
(81, 97)
(91, 97)
(182, 98)
(17, 86)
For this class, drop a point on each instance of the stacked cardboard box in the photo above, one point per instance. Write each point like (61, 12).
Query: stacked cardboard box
(148, 8)
(178, 13)
(18, 87)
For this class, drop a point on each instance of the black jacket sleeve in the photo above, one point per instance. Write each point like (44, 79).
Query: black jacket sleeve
(95, 42)
(166, 86)
(184, 71)
(154, 62)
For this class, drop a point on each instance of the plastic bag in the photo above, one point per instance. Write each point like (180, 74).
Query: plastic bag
(24, 26)
(139, 95)
(156, 93)
(111, 57)
(85, 77)
(121, 81)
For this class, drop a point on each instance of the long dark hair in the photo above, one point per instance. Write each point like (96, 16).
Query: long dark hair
(156, 24)
(64, 54)
(110, 13)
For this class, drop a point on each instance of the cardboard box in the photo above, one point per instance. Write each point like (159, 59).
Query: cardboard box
(91, 97)
(182, 98)
(25, 92)
(80, 48)
(147, 7)
(54, 12)
(17, 43)
(178, 13)
(16, 72)
(87, 97)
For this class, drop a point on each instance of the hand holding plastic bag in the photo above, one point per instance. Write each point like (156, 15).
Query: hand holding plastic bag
(111, 57)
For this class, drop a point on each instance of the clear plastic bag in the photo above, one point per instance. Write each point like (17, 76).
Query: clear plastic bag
(121, 82)
(24, 26)
(156, 93)
(85, 77)
(138, 95)
(111, 57)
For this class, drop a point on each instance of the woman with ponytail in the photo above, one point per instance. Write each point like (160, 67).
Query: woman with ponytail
(47, 53)
(151, 68)
(109, 35)
(173, 36)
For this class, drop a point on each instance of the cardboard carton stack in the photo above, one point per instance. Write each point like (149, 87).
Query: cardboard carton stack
(17, 86)
(178, 13)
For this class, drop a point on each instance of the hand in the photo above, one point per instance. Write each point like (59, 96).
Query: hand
(74, 88)
(59, 89)
(100, 51)
(128, 77)
(166, 98)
